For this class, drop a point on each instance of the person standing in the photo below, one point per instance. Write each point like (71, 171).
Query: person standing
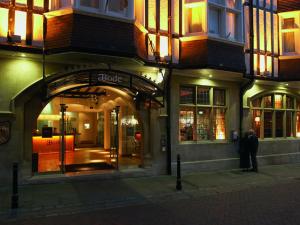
(244, 154)
(252, 145)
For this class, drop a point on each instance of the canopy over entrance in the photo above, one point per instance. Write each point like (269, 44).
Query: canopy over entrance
(133, 84)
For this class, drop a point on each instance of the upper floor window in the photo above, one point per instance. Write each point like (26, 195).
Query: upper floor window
(290, 33)
(117, 6)
(225, 19)
(195, 14)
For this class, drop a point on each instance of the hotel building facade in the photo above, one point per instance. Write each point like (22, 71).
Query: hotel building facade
(128, 85)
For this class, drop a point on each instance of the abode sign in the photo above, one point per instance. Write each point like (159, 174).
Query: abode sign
(109, 78)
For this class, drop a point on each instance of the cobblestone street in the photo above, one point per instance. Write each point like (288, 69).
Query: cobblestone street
(211, 198)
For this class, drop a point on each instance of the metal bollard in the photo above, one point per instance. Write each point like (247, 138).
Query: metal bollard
(178, 181)
(15, 196)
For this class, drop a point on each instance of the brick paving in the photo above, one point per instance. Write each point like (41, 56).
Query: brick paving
(221, 198)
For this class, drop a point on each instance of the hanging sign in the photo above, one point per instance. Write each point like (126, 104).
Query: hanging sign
(4, 132)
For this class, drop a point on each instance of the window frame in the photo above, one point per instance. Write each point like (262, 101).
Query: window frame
(211, 107)
(293, 111)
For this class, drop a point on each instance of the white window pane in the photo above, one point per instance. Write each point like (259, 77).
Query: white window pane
(20, 24)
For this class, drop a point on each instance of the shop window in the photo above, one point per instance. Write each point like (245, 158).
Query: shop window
(289, 124)
(203, 96)
(298, 125)
(256, 102)
(219, 97)
(209, 117)
(186, 124)
(278, 101)
(187, 95)
(195, 14)
(279, 124)
(203, 120)
(219, 124)
(268, 121)
(289, 102)
(257, 122)
(276, 120)
(268, 101)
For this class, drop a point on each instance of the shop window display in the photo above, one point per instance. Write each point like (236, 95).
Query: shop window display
(204, 117)
(277, 117)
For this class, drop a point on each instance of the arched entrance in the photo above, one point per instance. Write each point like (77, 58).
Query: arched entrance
(102, 116)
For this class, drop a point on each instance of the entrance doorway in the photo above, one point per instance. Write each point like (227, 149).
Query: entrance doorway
(100, 127)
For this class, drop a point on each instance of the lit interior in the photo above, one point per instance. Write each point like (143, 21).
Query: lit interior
(195, 17)
(20, 24)
(37, 28)
(163, 46)
(3, 23)
(38, 3)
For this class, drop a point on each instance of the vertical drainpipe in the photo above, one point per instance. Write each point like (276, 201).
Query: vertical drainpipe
(168, 91)
(250, 82)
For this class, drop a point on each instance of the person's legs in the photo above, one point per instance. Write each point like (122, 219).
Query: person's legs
(253, 161)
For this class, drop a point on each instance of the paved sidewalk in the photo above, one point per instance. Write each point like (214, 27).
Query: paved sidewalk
(64, 197)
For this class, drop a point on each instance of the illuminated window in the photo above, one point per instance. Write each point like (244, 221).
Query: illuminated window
(207, 112)
(187, 95)
(186, 124)
(20, 24)
(164, 46)
(195, 16)
(276, 121)
(231, 25)
(37, 34)
(3, 24)
(38, 3)
(289, 42)
(203, 124)
(23, 2)
(219, 124)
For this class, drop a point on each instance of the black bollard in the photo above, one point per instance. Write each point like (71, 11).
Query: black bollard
(178, 181)
(15, 196)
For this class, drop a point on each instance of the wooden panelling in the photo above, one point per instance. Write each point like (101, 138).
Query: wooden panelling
(213, 54)
(289, 69)
(140, 43)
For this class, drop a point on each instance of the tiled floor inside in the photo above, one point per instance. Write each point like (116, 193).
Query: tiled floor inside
(50, 162)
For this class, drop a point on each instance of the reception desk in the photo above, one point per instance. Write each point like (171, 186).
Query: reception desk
(51, 145)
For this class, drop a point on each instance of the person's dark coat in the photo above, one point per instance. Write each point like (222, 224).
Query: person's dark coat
(244, 153)
(252, 145)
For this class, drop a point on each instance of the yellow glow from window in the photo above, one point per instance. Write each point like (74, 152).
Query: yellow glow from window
(164, 50)
(164, 15)
(195, 17)
(152, 38)
(38, 3)
(3, 22)
(152, 13)
(21, 2)
(20, 24)
(37, 28)
(262, 65)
